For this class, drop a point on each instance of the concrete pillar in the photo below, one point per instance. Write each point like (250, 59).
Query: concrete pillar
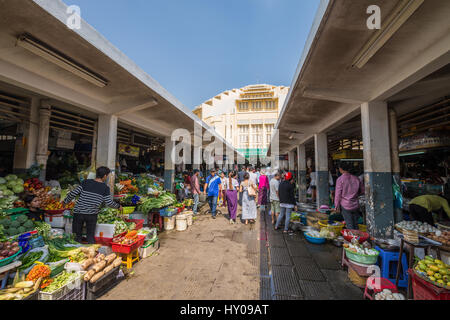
(107, 145)
(169, 164)
(42, 145)
(301, 175)
(377, 167)
(25, 148)
(393, 132)
(321, 154)
(94, 146)
(291, 161)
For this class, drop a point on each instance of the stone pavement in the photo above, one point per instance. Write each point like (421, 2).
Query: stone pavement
(294, 269)
(218, 261)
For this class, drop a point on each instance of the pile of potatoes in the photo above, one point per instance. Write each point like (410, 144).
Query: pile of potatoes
(97, 264)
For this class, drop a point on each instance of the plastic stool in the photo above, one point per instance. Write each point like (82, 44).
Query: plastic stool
(156, 218)
(375, 285)
(130, 258)
(388, 262)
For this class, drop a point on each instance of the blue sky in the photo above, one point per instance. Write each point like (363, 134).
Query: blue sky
(199, 48)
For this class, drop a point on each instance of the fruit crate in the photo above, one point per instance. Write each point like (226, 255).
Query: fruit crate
(101, 286)
(423, 290)
(125, 248)
(74, 290)
(139, 223)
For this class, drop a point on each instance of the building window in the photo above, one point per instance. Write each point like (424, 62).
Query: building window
(243, 106)
(270, 105)
(257, 105)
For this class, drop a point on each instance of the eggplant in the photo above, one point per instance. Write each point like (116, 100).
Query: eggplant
(11, 253)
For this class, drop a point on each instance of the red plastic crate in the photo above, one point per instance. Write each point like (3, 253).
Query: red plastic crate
(103, 241)
(423, 290)
(125, 248)
(139, 223)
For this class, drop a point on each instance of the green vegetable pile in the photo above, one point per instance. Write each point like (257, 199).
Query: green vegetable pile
(163, 200)
(43, 229)
(29, 259)
(14, 227)
(61, 280)
(108, 216)
(120, 227)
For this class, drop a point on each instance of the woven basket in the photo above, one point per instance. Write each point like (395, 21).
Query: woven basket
(356, 279)
(411, 236)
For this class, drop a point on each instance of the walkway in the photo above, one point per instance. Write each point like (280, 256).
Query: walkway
(216, 260)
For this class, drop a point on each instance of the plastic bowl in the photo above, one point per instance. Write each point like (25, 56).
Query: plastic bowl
(363, 236)
(361, 258)
(314, 240)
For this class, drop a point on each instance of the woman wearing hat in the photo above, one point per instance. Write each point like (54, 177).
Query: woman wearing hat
(286, 193)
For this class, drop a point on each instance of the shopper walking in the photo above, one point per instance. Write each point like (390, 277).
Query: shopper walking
(93, 194)
(223, 181)
(286, 193)
(274, 197)
(263, 187)
(195, 187)
(212, 188)
(248, 189)
(241, 175)
(231, 187)
(348, 189)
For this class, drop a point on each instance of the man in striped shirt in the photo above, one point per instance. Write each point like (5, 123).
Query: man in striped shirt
(93, 194)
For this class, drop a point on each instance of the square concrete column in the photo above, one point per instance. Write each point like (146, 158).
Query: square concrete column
(25, 148)
(291, 161)
(377, 167)
(169, 164)
(301, 175)
(321, 154)
(107, 145)
(42, 145)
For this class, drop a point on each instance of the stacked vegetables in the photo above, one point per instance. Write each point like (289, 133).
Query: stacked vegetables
(33, 184)
(63, 279)
(14, 227)
(163, 200)
(130, 238)
(97, 265)
(11, 185)
(8, 249)
(20, 290)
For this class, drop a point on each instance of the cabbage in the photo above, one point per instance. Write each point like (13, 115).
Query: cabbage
(11, 184)
(18, 188)
(11, 177)
(8, 193)
(2, 180)
(3, 187)
(20, 182)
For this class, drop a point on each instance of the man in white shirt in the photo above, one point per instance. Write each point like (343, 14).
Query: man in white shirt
(253, 176)
(274, 197)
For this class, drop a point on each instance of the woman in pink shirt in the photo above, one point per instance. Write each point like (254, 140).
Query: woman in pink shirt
(348, 189)
(263, 187)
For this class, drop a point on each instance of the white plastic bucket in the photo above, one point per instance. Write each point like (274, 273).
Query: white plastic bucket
(169, 223)
(181, 222)
(189, 215)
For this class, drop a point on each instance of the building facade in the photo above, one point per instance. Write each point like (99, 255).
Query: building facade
(245, 117)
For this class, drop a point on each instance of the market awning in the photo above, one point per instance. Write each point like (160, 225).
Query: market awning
(331, 82)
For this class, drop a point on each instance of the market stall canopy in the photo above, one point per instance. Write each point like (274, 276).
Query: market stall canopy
(81, 68)
(345, 64)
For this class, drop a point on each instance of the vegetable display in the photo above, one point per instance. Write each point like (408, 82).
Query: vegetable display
(39, 271)
(14, 227)
(163, 200)
(421, 227)
(61, 280)
(98, 265)
(20, 290)
(8, 249)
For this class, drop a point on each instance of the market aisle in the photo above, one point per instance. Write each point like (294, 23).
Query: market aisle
(211, 260)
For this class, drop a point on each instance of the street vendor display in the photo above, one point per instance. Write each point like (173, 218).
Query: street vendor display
(434, 271)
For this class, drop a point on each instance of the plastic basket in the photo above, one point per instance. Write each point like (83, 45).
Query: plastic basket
(361, 258)
(55, 212)
(55, 218)
(363, 236)
(103, 241)
(139, 223)
(315, 240)
(423, 290)
(8, 260)
(69, 292)
(127, 249)
(328, 224)
(128, 210)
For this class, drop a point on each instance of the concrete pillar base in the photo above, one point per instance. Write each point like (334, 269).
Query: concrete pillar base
(169, 178)
(302, 185)
(323, 189)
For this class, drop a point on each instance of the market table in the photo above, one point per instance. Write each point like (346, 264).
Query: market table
(7, 269)
(410, 246)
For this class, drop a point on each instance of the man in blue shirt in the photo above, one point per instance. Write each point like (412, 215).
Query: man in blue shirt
(212, 187)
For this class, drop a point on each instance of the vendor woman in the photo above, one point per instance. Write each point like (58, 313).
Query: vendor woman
(33, 204)
(422, 207)
(93, 194)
